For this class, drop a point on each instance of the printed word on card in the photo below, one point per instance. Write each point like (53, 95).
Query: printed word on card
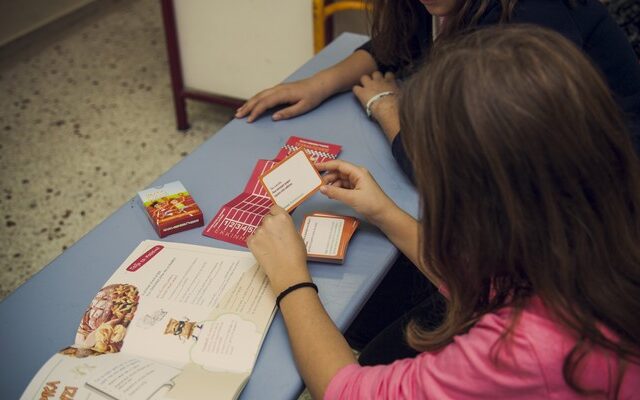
(292, 181)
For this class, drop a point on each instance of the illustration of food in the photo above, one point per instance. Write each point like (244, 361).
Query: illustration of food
(184, 330)
(78, 353)
(103, 325)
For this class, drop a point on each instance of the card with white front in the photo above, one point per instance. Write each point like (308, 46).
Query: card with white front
(327, 236)
(292, 181)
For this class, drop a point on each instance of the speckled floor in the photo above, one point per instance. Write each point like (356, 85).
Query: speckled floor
(86, 120)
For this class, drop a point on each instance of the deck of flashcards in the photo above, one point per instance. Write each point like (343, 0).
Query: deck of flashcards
(292, 181)
(327, 236)
(171, 208)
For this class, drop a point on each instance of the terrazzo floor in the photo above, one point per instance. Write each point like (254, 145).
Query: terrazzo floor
(86, 121)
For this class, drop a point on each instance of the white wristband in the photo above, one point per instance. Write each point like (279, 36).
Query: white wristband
(374, 99)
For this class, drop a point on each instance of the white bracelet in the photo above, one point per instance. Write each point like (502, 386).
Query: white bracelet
(374, 99)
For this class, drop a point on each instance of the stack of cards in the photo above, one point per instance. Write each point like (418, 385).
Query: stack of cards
(237, 219)
(327, 236)
(171, 208)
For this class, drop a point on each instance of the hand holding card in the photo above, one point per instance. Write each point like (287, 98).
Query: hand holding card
(292, 181)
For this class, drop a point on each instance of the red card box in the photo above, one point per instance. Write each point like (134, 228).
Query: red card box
(171, 209)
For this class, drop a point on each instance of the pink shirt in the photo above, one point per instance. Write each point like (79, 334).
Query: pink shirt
(529, 368)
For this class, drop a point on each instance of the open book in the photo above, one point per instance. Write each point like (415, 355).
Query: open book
(175, 321)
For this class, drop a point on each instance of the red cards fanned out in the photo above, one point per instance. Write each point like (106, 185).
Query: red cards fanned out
(237, 219)
(317, 151)
(326, 236)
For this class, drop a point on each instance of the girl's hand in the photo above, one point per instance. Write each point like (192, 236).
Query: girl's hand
(280, 251)
(303, 96)
(355, 187)
(385, 109)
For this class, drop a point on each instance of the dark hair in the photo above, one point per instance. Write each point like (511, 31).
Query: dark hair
(529, 186)
(395, 22)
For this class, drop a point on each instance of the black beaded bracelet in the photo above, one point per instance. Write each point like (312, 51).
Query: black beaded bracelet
(292, 288)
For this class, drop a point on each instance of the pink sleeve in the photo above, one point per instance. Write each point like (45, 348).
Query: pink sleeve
(462, 370)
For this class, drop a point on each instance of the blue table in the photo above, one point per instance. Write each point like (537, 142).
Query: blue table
(41, 316)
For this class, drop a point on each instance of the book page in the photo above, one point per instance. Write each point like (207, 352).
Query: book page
(65, 374)
(132, 378)
(169, 309)
(197, 304)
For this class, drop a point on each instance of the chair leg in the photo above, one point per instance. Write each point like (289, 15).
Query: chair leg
(318, 25)
(323, 19)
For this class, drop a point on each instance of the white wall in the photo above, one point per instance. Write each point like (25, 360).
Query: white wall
(237, 47)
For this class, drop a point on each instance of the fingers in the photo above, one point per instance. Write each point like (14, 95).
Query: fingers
(278, 216)
(330, 177)
(262, 105)
(342, 175)
(291, 111)
(258, 104)
(332, 165)
(376, 76)
(277, 210)
(365, 80)
(358, 91)
(244, 109)
(337, 193)
(340, 166)
(262, 231)
(250, 240)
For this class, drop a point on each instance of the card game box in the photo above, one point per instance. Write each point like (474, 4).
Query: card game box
(171, 209)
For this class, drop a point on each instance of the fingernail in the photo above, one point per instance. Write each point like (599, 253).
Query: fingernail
(323, 189)
(276, 117)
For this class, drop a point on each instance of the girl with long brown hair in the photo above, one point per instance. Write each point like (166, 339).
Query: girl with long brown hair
(530, 224)
(403, 33)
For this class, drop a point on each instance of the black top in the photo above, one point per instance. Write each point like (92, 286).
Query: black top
(587, 24)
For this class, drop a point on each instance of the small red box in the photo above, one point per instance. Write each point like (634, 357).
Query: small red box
(171, 209)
